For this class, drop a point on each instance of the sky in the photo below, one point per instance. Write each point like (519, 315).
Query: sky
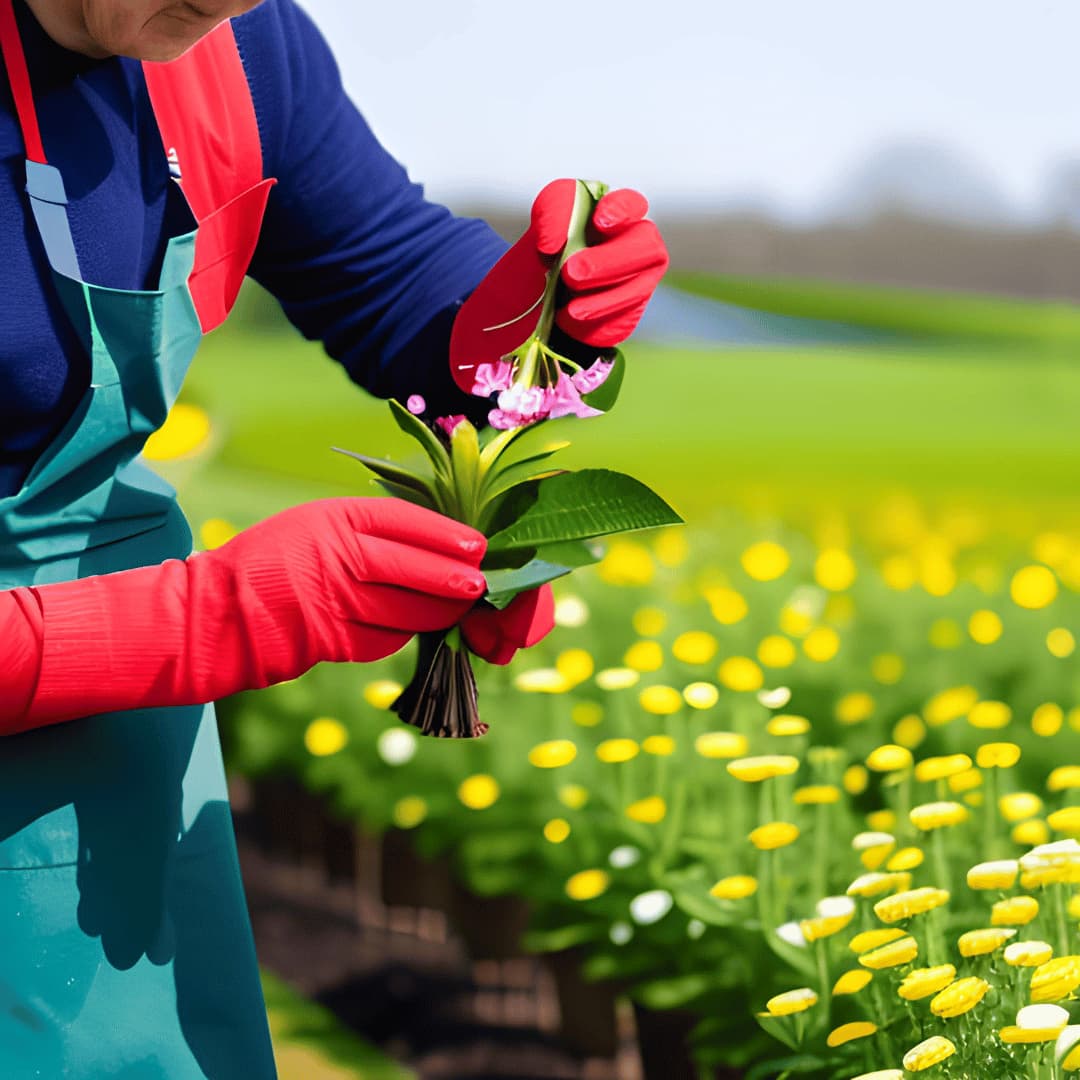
(704, 105)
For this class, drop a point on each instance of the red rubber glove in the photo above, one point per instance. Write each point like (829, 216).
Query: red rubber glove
(610, 282)
(347, 579)
(497, 635)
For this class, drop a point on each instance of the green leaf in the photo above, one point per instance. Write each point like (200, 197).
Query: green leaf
(581, 505)
(399, 491)
(799, 957)
(504, 585)
(416, 428)
(389, 470)
(706, 908)
(501, 478)
(572, 553)
(607, 393)
(797, 1063)
(562, 937)
(465, 459)
(672, 993)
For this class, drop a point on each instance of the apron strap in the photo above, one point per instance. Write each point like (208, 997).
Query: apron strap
(19, 77)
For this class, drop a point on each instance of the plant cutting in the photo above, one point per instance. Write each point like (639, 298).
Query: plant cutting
(540, 520)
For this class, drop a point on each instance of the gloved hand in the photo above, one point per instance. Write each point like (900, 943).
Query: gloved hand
(609, 283)
(497, 635)
(346, 579)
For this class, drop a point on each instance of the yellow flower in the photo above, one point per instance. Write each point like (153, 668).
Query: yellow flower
(874, 884)
(382, 693)
(881, 1074)
(736, 887)
(1019, 805)
(855, 707)
(479, 791)
(776, 651)
(791, 1001)
(660, 700)
(889, 758)
(644, 656)
(881, 820)
(587, 884)
(999, 874)
(649, 810)
(774, 834)
(626, 563)
(649, 621)
(845, 1033)
(922, 982)
(409, 812)
(752, 769)
(834, 569)
(740, 673)
(1056, 979)
(887, 668)
(982, 942)
(765, 561)
(997, 755)
(658, 745)
(1027, 953)
(928, 1053)
(959, 997)
(721, 744)
(325, 736)
(989, 715)
(816, 795)
(542, 681)
(1066, 820)
(587, 713)
(855, 779)
(556, 830)
(573, 796)
(616, 750)
(852, 981)
(1015, 911)
(700, 695)
(938, 768)
(575, 665)
(617, 678)
(937, 815)
(1031, 832)
(896, 953)
(552, 754)
(787, 724)
(872, 939)
(727, 606)
(950, 705)
(1033, 587)
(904, 905)
(216, 531)
(968, 780)
(1060, 642)
(185, 431)
(1013, 1034)
(909, 731)
(821, 644)
(824, 926)
(694, 647)
(671, 547)
(1063, 778)
(985, 627)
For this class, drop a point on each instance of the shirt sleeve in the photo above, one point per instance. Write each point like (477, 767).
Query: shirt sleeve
(355, 254)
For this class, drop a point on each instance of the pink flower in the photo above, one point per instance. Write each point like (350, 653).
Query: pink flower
(564, 400)
(528, 402)
(588, 380)
(491, 378)
(416, 404)
(448, 423)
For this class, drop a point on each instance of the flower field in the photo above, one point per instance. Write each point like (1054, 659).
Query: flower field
(807, 771)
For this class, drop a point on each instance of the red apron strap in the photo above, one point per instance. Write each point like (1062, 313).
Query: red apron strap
(204, 111)
(19, 77)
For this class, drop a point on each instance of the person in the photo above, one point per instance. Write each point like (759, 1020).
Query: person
(154, 153)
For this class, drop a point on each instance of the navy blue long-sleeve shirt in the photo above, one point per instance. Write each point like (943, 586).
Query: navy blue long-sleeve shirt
(356, 255)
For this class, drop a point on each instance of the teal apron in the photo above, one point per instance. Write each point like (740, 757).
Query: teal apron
(126, 950)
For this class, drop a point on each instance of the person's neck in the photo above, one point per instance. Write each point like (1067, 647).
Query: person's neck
(63, 21)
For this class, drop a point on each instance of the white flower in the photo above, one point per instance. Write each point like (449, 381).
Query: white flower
(396, 746)
(695, 928)
(620, 933)
(1069, 1038)
(776, 698)
(650, 906)
(571, 611)
(623, 856)
(1042, 1016)
(865, 840)
(792, 933)
(1058, 853)
(834, 907)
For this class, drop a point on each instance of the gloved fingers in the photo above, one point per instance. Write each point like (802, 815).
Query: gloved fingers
(482, 635)
(416, 526)
(368, 643)
(603, 333)
(550, 216)
(636, 250)
(594, 307)
(619, 208)
(390, 562)
(395, 608)
(529, 617)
